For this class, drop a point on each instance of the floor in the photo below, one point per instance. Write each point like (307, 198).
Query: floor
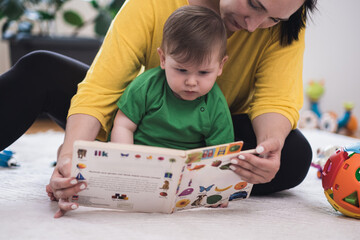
(299, 213)
(43, 125)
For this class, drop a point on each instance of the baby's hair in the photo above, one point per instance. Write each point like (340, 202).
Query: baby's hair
(191, 33)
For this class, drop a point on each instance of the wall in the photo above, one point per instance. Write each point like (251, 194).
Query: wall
(4, 55)
(332, 51)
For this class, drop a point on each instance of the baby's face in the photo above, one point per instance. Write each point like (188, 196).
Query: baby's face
(189, 81)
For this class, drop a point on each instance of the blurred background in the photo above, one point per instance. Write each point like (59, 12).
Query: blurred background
(331, 54)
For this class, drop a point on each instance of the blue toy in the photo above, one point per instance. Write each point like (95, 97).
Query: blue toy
(7, 159)
(355, 147)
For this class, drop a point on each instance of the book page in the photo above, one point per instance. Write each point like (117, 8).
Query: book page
(127, 177)
(207, 179)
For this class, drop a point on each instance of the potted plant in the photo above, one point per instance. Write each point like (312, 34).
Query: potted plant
(31, 25)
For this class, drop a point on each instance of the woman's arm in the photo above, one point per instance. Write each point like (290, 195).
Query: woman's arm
(78, 127)
(123, 130)
(271, 126)
(130, 43)
(271, 130)
(274, 109)
(278, 80)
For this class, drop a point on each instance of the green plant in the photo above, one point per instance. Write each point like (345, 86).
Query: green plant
(22, 15)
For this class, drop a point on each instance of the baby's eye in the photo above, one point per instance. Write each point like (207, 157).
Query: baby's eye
(203, 72)
(181, 70)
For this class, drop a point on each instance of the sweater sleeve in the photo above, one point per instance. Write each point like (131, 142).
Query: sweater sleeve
(117, 63)
(278, 84)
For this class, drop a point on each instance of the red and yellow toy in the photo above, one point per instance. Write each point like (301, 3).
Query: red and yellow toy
(341, 180)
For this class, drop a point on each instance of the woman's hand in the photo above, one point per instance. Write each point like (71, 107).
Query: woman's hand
(260, 168)
(271, 130)
(62, 186)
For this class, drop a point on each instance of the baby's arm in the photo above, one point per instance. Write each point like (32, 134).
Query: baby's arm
(123, 129)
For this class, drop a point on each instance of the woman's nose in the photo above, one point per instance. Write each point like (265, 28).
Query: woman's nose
(252, 23)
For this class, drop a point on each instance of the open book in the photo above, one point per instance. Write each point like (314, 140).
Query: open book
(152, 179)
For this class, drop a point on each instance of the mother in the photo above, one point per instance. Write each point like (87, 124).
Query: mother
(262, 82)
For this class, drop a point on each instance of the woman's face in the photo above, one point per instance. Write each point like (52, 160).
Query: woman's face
(253, 14)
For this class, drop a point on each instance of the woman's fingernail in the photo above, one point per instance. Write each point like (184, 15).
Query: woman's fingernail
(74, 206)
(241, 157)
(232, 167)
(82, 186)
(259, 149)
(66, 160)
(74, 181)
(233, 161)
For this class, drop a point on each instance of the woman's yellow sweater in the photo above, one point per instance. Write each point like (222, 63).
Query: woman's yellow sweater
(260, 76)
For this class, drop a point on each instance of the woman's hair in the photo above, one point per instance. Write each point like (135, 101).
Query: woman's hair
(291, 28)
(191, 33)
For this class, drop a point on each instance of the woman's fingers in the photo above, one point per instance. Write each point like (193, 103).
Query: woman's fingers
(255, 169)
(50, 193)
(61, 184)
(62, 187)
(248, 172)
(64, 206)
(69, 189)
(260, 168)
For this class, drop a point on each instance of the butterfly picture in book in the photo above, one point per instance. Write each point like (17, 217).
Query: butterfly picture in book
(212, 181)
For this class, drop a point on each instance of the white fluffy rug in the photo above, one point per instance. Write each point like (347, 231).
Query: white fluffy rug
(299, 213)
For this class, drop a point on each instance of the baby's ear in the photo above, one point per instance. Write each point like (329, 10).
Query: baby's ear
(223, 61)
(162, 57)
(222, 64)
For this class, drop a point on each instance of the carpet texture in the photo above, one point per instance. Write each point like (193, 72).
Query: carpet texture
(299, 213)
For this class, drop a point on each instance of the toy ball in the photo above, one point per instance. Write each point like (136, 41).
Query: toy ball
(341, 180)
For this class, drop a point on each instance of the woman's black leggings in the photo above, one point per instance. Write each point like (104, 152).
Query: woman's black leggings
(44, 82)
(40, 82)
